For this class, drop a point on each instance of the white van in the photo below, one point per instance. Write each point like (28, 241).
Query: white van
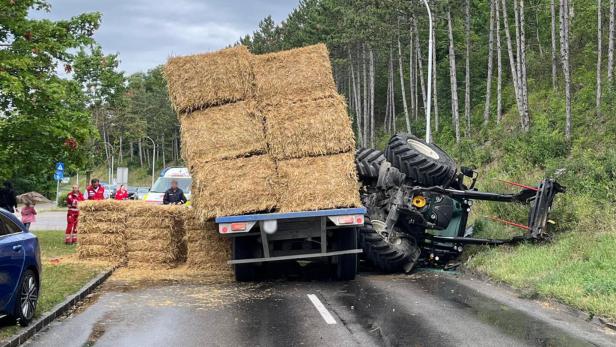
(179, 174)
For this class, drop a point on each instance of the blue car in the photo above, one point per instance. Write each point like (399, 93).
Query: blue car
(20, 269)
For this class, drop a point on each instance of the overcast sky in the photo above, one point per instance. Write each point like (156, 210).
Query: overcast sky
(146, 32)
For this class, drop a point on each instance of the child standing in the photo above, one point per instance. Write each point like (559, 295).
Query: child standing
(28, 215)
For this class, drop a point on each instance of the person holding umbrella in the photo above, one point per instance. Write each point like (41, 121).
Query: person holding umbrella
(8, 198)
(72, 215)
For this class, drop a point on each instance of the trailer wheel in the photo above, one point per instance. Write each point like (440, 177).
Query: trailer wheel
(368, 162)
(346, 269)
(388, 254)
(244, 248)
(424, 163)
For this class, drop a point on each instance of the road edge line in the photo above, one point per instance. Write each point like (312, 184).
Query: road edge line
(58, 310)
(325, 314)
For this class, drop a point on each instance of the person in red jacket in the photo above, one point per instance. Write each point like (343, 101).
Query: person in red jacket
(121, 193)
(73, 198)
(95, 191)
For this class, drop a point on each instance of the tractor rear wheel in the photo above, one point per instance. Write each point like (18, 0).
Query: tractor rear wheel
(423, 163)
(392, 251)
(368, 162)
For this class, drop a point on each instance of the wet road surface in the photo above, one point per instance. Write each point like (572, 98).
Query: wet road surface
(425, 309)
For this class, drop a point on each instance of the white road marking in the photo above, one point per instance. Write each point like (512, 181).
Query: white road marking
(327, 317)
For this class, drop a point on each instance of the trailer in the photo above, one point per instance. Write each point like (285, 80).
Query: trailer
(326, 235)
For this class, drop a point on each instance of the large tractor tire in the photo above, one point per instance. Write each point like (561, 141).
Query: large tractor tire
(423, 163)
(392, 253)
(368, 162)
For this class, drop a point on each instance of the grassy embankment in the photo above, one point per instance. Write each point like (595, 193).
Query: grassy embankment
(62, 275)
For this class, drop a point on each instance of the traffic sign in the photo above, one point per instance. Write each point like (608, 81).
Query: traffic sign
(60, 166)
(58, 176)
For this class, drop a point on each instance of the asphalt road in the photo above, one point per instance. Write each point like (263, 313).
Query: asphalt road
(426, 309)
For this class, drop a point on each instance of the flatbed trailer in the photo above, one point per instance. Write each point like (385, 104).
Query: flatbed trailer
(329, 235)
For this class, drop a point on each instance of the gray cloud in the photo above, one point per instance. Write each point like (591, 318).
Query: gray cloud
(146, 32)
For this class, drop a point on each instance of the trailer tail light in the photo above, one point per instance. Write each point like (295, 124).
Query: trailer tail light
(355, 219)
(238, 227)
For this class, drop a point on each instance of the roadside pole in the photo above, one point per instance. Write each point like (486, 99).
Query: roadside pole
(58, 176)
(57, 192)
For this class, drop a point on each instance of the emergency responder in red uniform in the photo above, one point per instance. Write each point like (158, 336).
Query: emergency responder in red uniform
(95, 191)
(72, 215)
(121, 193)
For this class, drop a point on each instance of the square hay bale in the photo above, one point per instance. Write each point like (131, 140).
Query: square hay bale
(232, 187)
(154, 235)
(298, 74)
(209, 79)
(102, 252)
(223, 132)
(206, 249)
(307, 129)
(318, 183)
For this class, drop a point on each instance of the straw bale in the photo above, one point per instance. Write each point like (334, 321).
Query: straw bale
(224, 132)
(210, 79)
(297, 75)
(207, 250)
(140, 222)
(232, 187)
(88, 227)
(318, 183)
(113, 240)
(108, 253)
(154, 233)
(311, 128)
(102, 205)
(152, 257)
(150, 245)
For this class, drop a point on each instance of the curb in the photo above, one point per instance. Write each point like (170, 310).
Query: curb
(57, 311)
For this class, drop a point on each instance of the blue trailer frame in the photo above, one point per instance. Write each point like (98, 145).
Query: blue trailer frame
(292, 226)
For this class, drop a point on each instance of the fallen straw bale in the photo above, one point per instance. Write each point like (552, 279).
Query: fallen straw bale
(101, 230)
(232, 187)
(206, 249)
(209, 79)
(154, 235)
(311, 128)
(318, 183)
(295, 75)
(223, 132)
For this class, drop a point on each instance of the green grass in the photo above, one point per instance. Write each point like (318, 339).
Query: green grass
(58, 280)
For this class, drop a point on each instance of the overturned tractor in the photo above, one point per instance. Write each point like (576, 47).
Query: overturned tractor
(418, 205)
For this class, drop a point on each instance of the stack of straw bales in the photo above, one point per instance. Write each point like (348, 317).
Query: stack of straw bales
(101, 231)
(154, 235)
(206, 249)
(286, 144)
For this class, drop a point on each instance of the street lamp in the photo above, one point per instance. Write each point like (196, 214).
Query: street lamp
(430, 48)
(153, 158)
(110, 168)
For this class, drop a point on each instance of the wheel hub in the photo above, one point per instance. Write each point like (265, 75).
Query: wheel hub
(423, 148)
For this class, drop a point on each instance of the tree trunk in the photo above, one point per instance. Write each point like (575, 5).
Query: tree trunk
(121, 152)
(486, 109)
(610, 49)
(162, 149)
(132, 150)
(467, 72)
(512, 62)
(365, 101)
(140, 153)
(434, 87)
(564, 52)
(537, 33)
(452, 78)
(358, 118)
(523, 78)
(499, 63)
(401, 71)
(553, 32)
(422, 82)
(412, 76)
(599, 32)
(371, 97)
